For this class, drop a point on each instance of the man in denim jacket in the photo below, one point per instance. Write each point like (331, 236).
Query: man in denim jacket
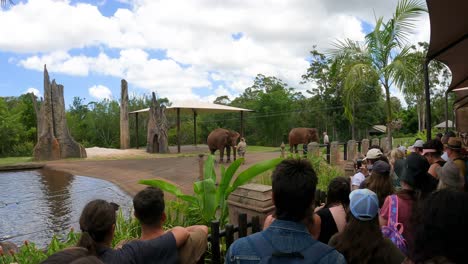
(287, 239)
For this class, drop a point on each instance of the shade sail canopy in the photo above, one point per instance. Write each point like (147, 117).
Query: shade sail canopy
(198, 107)
(449, 44)
(442, 125)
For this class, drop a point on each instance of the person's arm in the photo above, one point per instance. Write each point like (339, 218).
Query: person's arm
(268, 220)
(195, 228)
(195, 246)
(181, 235)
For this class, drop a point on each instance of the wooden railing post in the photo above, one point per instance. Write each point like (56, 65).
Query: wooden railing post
(242, 225)
(256, 224)
(359, 146)
(229, 235)
(328, 153)
(215, 249)
(345, 154)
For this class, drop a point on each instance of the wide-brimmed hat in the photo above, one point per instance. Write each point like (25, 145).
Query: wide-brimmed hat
(414, 167)
(449, 174)
(454, 143)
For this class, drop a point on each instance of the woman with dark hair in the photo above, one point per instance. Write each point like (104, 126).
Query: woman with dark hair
(443, 231)
(362, 241)
(380, 181)
(432, 151)
(332, 216)
(97, 223)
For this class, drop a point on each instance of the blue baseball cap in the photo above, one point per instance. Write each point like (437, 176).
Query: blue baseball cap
(364, 204)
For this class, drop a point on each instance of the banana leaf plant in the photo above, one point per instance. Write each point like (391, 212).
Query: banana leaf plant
(210, 198)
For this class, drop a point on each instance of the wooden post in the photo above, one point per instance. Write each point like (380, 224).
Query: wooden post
(178, 130)
(242, 123)
(345, 154)
(328, 153)
(215, 249)
(229, 235)
(359, 146)
(200, 166)
(194, 127)
(255, 224)
(136, 129)
(242, 225)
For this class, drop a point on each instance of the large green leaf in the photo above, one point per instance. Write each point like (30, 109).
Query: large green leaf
(251, 172)
(206, 194)
(208, 169)
(170, 188)
(226, 177)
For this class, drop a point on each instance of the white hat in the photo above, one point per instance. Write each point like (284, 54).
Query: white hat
(418, 144)
(373, 154)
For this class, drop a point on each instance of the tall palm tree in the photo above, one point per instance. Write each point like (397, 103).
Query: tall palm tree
(385, 53)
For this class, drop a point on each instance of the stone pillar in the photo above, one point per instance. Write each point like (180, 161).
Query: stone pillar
(375, 142)
(364, 146)
(351, 149)
(313, 149)
(157, 138)
(349, 168)
(334, 153)
(384, 144)
(251, 199)
(282, 150)
(124, 127)
(54, 138)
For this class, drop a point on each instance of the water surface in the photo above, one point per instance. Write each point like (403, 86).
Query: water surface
(36, 204)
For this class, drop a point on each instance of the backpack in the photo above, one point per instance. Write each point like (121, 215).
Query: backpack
(393, 230)
(263, 247)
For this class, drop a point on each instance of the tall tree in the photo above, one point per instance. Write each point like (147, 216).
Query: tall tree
(386, 51)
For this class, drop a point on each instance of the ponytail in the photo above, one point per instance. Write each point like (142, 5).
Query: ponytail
(88, 242)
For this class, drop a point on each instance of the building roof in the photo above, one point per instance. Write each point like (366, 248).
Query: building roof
(198, 107)
(449, 44)
(380, 128)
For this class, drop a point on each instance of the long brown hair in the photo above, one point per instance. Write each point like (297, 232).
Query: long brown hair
(96, 222)
(361, 241)
(381, 184)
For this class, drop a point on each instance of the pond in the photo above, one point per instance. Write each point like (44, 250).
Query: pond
(34, 205)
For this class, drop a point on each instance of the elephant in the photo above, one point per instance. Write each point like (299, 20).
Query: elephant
(221, 138)
(301, 135)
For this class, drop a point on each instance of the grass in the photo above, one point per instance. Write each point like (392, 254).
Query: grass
(14, 160)
(252, 149)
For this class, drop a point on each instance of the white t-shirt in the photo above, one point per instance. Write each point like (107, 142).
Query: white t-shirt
(445, 156)
(357, 179)
(325, 139)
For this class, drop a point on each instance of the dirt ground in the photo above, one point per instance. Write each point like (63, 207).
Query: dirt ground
(126, 167)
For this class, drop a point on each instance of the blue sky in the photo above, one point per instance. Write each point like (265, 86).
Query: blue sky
(194, 50)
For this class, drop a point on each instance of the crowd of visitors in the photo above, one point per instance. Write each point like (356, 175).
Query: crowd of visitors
(404, 208)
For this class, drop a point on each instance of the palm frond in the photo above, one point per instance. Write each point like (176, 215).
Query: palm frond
(404, 18)
(359, 75)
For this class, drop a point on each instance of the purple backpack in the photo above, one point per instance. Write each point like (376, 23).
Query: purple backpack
(393, 230)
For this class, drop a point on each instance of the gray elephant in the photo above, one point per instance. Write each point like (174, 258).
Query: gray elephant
(301, 135)
(221, 138)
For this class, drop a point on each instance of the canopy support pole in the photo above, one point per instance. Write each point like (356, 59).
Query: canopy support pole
(428, 100)
(194, 127)
(242, 123)
(178, 130)
(446, 111)
(136, 129)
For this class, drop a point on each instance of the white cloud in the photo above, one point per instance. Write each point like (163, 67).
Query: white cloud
(100, 92)
(33, 90)
(276, 38)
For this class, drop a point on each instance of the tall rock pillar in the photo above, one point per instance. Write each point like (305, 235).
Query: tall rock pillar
(54, 139)
(157, 140)
(124, 127)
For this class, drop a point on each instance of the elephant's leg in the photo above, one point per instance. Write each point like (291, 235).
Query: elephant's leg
(228, 153)
(221, 155)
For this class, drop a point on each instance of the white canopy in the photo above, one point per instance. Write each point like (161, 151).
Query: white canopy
(442, 125)
(198, 107)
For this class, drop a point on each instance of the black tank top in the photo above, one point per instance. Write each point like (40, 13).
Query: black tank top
(441, 162)
(328, 227)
